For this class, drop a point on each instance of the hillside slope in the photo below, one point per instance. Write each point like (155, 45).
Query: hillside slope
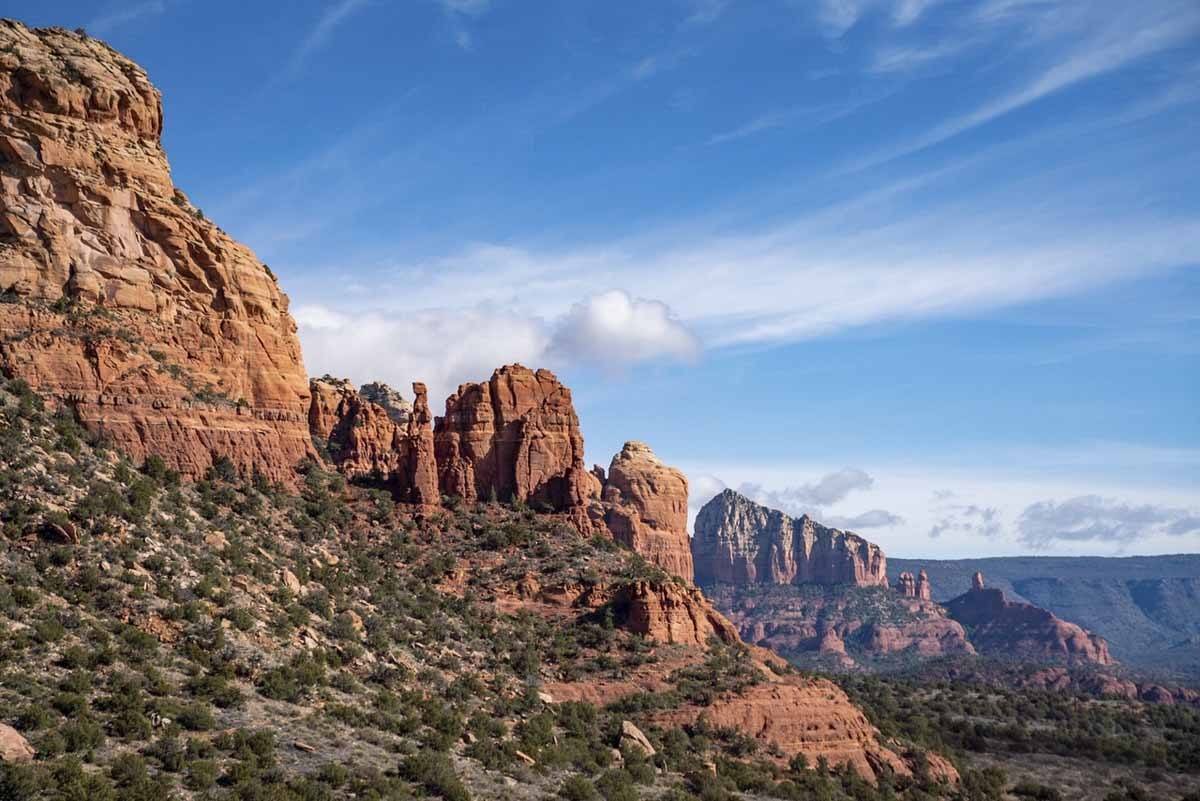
(227, 639)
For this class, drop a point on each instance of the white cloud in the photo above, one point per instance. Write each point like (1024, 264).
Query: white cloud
(445, 347)
(613, 330)
(442, 348)
(967, 519)
(906, 12)
(1092, 518)
(704, 12)
(977, 504)
(811, 498)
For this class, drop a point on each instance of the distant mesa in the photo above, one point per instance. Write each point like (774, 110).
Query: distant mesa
(738, 541)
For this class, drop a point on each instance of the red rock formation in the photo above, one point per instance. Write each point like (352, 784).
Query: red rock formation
(906, 585)
(1009, 629)
(805, 716)
(515, 437)
(672, 614)
(740, 542)
(924, 588)
(128, 306)
(368, 441)
(646, 508)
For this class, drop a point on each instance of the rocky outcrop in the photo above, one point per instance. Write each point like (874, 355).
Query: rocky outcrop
(671, 613)
(124, 304)
(915, 587)
(738, 541)
(1007, 629)
(398, 408)
(513, 438)
(812, 717)
(646, 508)
(368, 441)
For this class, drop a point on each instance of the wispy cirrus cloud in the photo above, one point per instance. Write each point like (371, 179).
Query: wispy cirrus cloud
(322, 30)
(1077, 43)
(118, 16)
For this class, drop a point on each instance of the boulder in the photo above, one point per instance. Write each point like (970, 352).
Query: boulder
(632, 739)
(13, 746)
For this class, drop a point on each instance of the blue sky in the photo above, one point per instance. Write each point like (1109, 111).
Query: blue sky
(922, 267)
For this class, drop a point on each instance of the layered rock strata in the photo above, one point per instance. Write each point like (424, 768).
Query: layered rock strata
(125, 304)
(738, 541)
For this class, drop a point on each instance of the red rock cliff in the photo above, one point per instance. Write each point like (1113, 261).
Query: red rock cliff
(126, 304)
(646, 508)
(738, 541)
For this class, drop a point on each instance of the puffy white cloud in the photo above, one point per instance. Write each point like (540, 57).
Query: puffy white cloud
(441, 348)
(1093, 518)
(445, 347)
(613, 329)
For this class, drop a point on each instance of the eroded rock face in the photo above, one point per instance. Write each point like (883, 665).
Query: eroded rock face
(672, 614)
(368, 441)
(129, 307)
(740, 542)
(514, 437)
(805, 716)
(1004, 628)
(646, 508)
(14, 747)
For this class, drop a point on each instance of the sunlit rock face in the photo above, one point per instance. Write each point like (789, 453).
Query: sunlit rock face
(738, 541)
(125, 304)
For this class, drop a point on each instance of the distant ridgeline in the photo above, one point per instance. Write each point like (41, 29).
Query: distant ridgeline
(1146, 607)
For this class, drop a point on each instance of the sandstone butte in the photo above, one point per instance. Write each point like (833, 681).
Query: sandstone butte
(126, 305)
(738, 541)
(1019, 630)
(131, 310)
